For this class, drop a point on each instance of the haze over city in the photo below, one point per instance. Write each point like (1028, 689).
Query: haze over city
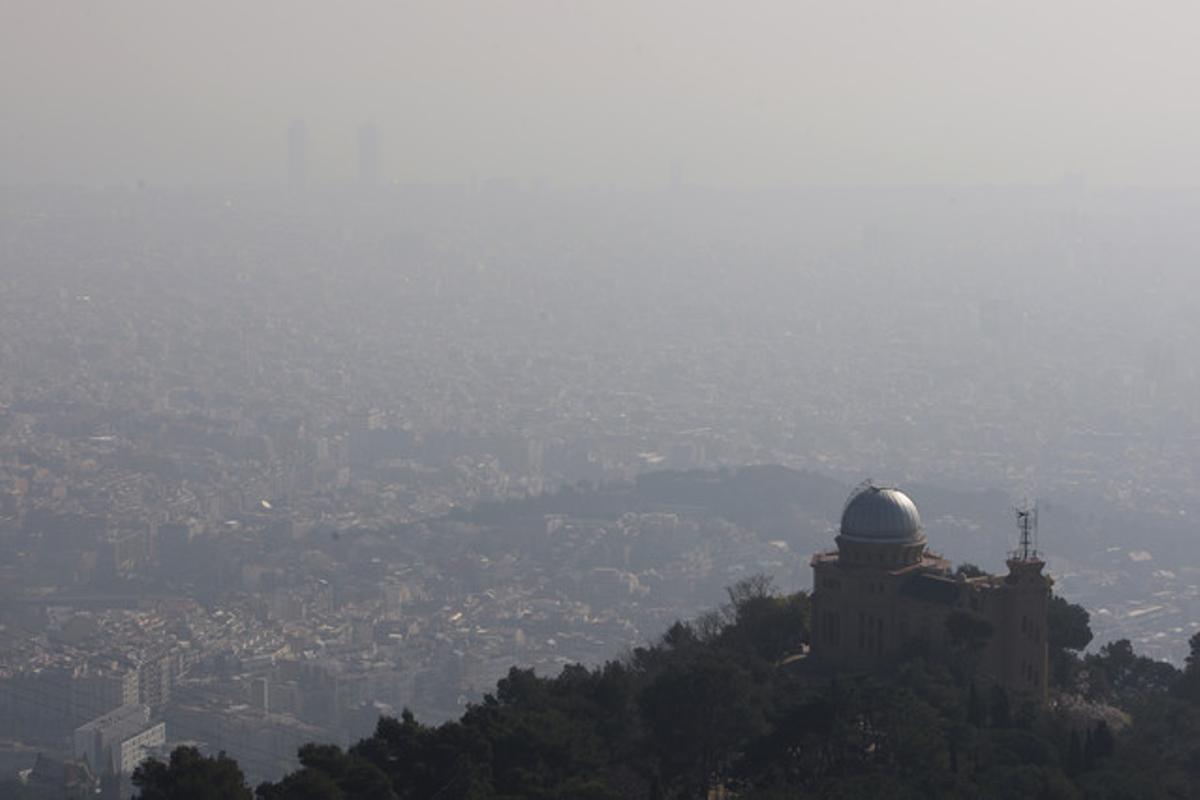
(758, 94)
(352, 357)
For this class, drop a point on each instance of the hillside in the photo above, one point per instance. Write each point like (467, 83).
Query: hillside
(726, 703)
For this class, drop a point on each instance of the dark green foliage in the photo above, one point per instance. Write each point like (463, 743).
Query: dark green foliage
(329, 773)
(450, 761)
(188, 775)
(1068, 632)
(1074, 755)
(875, 733)
(769, 625)
(697, 712)
(303, 784)
(1102, 741)
(975, 712)
(998, 710)
(1189, 684)
(1067, 625)
(1193, 659)
(722, 702)
(1118, 673)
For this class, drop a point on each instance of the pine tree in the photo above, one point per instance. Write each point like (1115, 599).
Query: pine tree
(1103, 740)
(975, 714)
(1001, 715)
(1074, 755)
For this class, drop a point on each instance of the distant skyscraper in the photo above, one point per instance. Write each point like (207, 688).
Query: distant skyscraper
(368, 155)
(297, 153)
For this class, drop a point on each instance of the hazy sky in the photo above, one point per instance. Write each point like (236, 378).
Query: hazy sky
(776, 92)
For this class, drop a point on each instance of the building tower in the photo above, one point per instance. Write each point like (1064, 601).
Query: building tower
(368, 155)
(1026, 655)
(880, 545)
(297, 160)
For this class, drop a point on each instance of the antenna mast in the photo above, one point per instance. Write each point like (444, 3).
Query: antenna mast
(1027, 525)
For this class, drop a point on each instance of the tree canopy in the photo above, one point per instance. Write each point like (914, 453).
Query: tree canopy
(189, 775)
(730, 701)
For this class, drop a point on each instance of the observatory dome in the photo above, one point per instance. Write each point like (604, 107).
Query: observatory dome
(881, 514)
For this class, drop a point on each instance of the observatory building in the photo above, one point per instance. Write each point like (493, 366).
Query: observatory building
(883, 591)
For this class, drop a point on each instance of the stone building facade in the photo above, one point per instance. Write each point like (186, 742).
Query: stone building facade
(882, 591)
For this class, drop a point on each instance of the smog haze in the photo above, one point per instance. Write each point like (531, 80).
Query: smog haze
(355, 354)
(752, 94)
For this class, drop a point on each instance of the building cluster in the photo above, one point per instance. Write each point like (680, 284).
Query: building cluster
(296, 637)
(253, 584)
(238, 433)
(115, 743)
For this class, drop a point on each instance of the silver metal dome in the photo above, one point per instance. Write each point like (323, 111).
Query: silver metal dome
(881, 514)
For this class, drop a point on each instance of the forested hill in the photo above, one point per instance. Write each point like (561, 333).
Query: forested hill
(758, 497)
(776, 502)
(723, 706)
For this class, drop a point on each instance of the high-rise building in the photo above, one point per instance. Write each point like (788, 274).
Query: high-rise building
(118, 741)
(260, 694)
(297, 163)
(154, 680)
(97, 692)
(368, 155)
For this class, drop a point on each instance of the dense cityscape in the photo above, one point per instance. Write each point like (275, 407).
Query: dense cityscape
(275, 464)
(599, 401)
